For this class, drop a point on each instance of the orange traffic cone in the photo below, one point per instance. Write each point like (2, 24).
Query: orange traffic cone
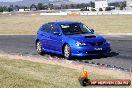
(84, 80)
(84, 73)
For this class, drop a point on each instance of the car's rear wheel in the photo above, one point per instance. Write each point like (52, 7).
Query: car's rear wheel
(39, 47)
(67, 51)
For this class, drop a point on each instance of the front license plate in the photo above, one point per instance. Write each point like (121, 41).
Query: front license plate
(98, 49)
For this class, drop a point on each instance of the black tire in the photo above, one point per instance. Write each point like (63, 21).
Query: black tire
(39, 48)
(67, 52)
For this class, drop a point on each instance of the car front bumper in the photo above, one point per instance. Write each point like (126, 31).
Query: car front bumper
(90, 50)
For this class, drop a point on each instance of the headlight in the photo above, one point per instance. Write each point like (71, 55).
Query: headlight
(106, 42)
(80, 44)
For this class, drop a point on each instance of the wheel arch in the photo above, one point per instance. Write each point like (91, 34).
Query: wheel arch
(36, 41)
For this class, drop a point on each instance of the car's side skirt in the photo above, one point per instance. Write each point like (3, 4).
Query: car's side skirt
(52, 51)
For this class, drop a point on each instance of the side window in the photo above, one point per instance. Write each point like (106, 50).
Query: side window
(46, 28)
(54, 28)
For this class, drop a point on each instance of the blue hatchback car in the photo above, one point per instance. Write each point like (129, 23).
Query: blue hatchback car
(70, 39)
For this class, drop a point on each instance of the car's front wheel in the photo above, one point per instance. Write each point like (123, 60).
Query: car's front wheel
(67, 51)
(39, 47)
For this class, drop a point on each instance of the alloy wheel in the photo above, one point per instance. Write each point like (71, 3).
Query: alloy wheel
(67, 51)
(39, 47)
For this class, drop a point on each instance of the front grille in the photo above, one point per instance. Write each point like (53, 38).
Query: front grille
(97, 52)
(96, 43)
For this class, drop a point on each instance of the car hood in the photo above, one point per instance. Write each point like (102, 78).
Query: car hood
(87, 38)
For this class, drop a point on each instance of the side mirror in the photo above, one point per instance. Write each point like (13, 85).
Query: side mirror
(56, 33)
(92, 30)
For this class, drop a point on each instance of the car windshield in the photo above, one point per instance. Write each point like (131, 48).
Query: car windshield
(75, 28)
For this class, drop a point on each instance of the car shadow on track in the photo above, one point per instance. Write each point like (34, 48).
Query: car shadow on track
(112, 54)
(53, 55)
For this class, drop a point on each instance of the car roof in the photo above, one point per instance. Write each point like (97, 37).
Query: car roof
(64, 22)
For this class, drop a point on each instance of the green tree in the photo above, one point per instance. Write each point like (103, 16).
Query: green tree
(45, 7)
(121, 8)
(1, 9)
(33, 6)
(82, 5)
(72, 6)
(118, 4)
(108, 9)
(122, 5)
(66, 7)
(51, 6)
(5, 8)
(92, 4)
(40, 6)
(100, 9)
(12, 6)
(10, 9)
(78, 6)
(16, 8)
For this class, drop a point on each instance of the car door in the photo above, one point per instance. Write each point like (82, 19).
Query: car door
(55, 39)
(45, 36)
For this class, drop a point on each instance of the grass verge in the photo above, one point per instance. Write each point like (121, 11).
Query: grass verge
(101, 24)
(27, 74)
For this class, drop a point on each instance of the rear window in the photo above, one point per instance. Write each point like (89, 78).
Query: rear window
(46, 28)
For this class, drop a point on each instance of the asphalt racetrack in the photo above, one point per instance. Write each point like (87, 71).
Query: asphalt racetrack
(120, 57)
